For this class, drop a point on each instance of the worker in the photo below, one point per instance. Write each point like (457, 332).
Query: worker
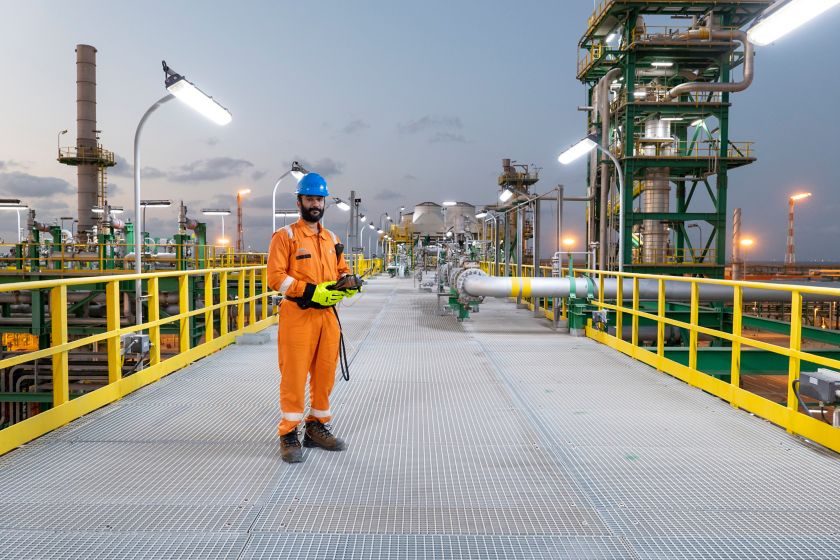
(303, 263)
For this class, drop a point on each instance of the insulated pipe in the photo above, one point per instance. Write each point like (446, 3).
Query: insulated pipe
(648, 289)
(735, 35)
(604, 116)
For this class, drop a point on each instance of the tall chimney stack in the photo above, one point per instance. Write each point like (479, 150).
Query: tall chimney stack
(86, 140)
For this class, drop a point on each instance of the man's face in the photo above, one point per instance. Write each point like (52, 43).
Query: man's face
(311, 208)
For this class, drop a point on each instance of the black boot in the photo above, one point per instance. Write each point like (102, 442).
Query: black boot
(290, 447)
(319, 435)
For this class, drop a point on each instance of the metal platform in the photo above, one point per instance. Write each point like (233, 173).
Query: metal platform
(491, 438)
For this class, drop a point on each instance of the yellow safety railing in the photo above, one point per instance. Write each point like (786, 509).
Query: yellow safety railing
(368, 267)
(243, 311)
(545, 304)
(788, 415)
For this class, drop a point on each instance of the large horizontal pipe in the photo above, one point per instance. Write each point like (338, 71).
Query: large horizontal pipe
(494, 286)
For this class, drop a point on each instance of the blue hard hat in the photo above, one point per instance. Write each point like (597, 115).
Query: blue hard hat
(312, 184)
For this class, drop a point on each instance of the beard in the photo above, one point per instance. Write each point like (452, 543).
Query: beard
(311, 215)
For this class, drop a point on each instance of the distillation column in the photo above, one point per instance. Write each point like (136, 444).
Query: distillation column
(656, 191)
(86, 141)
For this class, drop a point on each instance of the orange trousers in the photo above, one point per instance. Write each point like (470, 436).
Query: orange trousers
(307, 344)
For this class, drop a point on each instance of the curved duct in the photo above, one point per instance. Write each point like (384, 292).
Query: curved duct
(733, 35)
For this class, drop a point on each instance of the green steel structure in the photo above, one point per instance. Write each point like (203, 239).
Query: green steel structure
(649, 47)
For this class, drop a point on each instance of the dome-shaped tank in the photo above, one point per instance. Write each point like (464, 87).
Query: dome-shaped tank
(427, 219)
(460, 218)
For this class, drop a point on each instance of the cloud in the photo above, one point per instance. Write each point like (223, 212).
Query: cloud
(387, 194)
(113, 189)
(125, 169)
(326, 167)
(355, 126)
(257, 175)
(210, 169)
(447, 137)
(212, 141)
(30, 186)
(409, 177)
(429, 122)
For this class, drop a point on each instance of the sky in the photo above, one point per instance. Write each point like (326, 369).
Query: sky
(403, 102)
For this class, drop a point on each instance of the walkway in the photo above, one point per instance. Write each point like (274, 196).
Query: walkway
(493, 438)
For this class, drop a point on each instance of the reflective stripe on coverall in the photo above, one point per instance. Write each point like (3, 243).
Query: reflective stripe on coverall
(307, 339)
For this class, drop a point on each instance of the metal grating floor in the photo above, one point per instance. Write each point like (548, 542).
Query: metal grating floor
(493, 438)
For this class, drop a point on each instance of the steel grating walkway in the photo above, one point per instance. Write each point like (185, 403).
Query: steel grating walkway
(493, 438)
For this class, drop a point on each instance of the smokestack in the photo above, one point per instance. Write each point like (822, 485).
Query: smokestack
(86, 141)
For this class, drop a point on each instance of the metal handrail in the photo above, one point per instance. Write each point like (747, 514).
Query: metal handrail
(788, 415)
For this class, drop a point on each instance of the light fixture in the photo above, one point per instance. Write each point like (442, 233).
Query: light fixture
(362, 217)
(747, 242)
(698, 122)
(297, 171)
(661, 64)
(800, 196)
(156, 203)
(343, 206)
(787, 18)
(578, 150)
(370, 225)
(186, 91)
(215, 212)
(671, 119)
(117, 210)
(390, 219)
(243, 191)
(481, 214)
(379, 231)
(506, 195)
(448, 234)
(97, 210)
(449, 203)
(568, 242)
(223, 241)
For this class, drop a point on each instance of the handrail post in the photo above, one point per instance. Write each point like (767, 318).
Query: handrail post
(252, 290)
(208, 304)
(154, 315)
(223, 303)
(183, 307)
(619, 304)
(264, 282)
(240, 296)
(112, 309)
(60, 361)
(795, 347)
(634, 340)
(737, 321)
(660, 324)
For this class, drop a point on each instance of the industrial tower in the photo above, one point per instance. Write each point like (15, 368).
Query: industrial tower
(659, 78)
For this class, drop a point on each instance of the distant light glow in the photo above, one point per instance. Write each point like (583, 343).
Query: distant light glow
(800, 196)
(506, 195)
(568, 242)
(244, 191)
(786, 19)
(580, 149)
(223, 241)
(200, 101)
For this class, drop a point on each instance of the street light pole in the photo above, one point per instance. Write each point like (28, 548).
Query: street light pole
(297, 172)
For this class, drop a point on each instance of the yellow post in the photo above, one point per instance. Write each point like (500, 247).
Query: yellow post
(619, 303)
(737, 307)
(264, 282)
(252, 290)
(240, 296)
(634, 334)
(154, 315)
(184, 307)
(208, 304)
(60, 363)
(694, 320)
(223, 299)
(112, 309)
(795, 346)
(660, 324)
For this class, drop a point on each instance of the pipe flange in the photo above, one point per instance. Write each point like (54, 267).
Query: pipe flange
(462, 275)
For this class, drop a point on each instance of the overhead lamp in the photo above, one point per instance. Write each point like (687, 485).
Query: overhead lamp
(343, 206)
(362, 217)
(156, 203)
(698, 122)
(661, 64)
(215, 212)
(580, 149)
(5, 201)
(117, 210)
(481, 214)
(390, 219)
(297, 171)
(506, 195)
(800, 196)
(371, 226)
(787, 18)
(448, 234)
(671, 119)
(449, 203)
(186, 91)
(97, 210)
(379, 231)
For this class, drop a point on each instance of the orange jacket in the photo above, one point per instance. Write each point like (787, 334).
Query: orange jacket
(297, 256)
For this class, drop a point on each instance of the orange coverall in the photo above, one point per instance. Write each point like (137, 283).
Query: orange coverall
(307, 339)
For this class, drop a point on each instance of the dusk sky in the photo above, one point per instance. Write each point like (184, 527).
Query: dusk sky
(402, 101)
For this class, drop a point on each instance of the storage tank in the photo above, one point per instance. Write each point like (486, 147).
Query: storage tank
(427, 219)
(460, 218)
